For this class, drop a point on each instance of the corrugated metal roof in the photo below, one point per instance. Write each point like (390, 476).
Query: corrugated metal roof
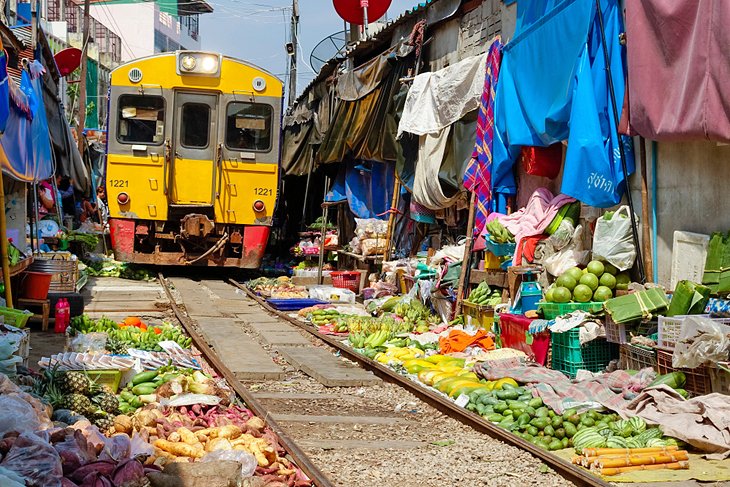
(364, 44)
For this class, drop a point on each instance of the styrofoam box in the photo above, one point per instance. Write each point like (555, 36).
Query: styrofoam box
(689, 252)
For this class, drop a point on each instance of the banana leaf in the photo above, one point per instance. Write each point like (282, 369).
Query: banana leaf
(688, 299)
(713, 264)
(636, 306)
(724, 285)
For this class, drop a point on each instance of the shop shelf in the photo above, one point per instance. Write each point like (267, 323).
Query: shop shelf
(569, 356)
(553, 310)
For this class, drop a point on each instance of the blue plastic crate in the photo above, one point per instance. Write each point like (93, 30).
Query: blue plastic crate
(499, 249)
(294, 304)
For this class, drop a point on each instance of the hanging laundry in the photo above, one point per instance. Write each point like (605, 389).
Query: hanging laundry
(478, 174)
(539, 103)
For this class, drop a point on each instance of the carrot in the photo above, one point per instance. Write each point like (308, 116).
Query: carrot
(596, 452)
(641, 460)
(669, 466)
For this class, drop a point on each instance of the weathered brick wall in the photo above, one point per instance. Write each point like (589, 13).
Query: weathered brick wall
(480, 25)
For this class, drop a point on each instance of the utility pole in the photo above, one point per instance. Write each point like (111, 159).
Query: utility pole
(293, 55)
(82, 81)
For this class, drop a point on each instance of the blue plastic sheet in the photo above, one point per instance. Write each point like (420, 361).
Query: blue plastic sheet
(25, 146)
(369, 192)
(4, 92)
(553, 86)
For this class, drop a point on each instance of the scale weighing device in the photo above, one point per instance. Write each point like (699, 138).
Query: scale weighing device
(530, 291)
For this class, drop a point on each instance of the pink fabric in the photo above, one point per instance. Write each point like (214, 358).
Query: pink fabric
(678, 69)
(535, 217)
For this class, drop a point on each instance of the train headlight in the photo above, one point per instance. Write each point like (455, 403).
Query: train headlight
(198, 63)
(122, 198)
(188, 62)
(259, 206)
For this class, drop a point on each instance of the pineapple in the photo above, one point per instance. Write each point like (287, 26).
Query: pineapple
(107, 402)
(76, 382)
(80, 404)
(54, 396)
(103, 421)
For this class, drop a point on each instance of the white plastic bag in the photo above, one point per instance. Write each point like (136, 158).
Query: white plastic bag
(332, 294)
(17, 415)
(247, 461)
(569, 255)
(701, 340)
(613, 241)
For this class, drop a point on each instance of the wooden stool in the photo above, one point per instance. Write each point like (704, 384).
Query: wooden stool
(43, 304)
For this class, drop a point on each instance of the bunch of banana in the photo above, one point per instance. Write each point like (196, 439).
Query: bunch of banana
(398, 355)
(484, 296)
(498, 233)
(377, 339)
(357, 340)
(323, 316)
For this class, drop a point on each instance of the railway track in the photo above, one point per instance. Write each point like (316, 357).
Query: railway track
(350, 422)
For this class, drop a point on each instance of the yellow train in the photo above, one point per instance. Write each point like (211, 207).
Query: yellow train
(192, 166)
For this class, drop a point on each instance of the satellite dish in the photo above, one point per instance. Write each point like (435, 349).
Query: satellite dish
(328, 48)
(352, 10)
(68, 60)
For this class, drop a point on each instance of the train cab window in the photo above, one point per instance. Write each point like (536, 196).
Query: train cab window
(141, 119)
(195, 125)
(248, 126)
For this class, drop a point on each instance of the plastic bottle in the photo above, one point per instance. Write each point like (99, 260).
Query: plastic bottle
(62, 316)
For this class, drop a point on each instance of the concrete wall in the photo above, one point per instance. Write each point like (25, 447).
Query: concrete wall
(133, 23)
(692, 193)
(16, 211)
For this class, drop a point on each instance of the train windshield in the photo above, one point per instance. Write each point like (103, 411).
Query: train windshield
(248, 126)
(141, 119)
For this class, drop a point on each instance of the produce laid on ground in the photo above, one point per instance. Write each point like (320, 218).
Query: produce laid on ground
(69, 428)
(281, 287)
(132, 333)
(101, 266)
(597, 282)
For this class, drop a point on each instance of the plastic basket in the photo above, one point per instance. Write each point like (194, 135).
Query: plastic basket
(15, 317)
(513, 333)
(569, 356)
(346, 280)
(499, 249)
(636, 358)
(698, 379)
(720, 379)
(484, 315)
(110, 378)
(670, 327)
(553, 310)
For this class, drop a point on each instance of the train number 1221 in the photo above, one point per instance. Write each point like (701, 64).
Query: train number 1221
(262, 191)
(119, 183)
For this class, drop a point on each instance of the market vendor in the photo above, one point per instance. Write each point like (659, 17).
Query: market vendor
(46, 199)
(65, 194)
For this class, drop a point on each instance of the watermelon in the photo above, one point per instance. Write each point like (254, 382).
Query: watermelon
(638, 424)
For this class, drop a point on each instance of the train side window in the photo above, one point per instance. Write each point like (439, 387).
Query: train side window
(141, 119)
(248, 126)
(195, 125)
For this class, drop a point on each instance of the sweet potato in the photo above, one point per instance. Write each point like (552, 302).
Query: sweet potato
(174, 437)
(187, 436)
(218, 444)
(179, 449)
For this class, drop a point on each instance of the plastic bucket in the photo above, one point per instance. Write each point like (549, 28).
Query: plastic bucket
(36, 285)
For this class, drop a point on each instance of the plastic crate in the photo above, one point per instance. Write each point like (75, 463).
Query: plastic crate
(670, 327)
(720, 379)
(483, 315)
(553, 310)
(633, 357)
(15, 317)
(698, 381)
(513, 334)
(499, 249)
(346, 280)
(569, 356)
(110, 378)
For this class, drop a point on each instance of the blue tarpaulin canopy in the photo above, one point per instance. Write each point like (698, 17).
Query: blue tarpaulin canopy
(25, 147)
(368, 192)
(553, 86)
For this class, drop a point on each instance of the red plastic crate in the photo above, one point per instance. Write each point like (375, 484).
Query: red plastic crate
(346, 280)
(513, 330)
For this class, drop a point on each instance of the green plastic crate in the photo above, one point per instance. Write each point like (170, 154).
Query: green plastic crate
(568, 356)
(553, 310)
(111, 378)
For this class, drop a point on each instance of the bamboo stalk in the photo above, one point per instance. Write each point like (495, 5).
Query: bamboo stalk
(589, 461)
(668, 466)
(597, 452)
(640, 460)
(4, 247)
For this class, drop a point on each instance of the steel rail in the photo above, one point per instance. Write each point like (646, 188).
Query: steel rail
(300, 458)
(567, 470)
